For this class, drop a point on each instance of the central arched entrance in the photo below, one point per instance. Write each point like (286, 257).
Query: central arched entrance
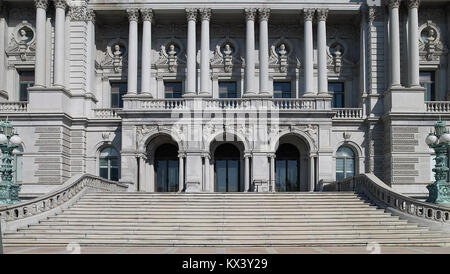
(287, 168)
(227, 168)
(166, 167)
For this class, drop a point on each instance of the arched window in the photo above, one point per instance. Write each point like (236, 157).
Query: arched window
(287, 168)
(109, 164)
(166, 165)
(345, 163)
(18, 164)
(227, 158)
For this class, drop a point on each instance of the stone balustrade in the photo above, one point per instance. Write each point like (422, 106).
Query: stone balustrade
(437, 106)
(433, 215)
(29, 212)
(348, 113)
(106, 113)
(13, 106)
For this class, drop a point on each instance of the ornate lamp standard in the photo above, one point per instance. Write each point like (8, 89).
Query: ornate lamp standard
(439, 191)
(9, 140)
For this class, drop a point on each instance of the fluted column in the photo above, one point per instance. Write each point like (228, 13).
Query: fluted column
(322, 15)
(41, 18)
(191, 16)
(60, 20)
(250, 52)
(133, 16)
(394, 48)
(308, 51)
(205, 52)
(413, 43)
(264, 15)
(147, 17)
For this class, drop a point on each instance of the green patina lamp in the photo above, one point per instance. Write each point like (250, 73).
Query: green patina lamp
(9, 140)
(439, 140)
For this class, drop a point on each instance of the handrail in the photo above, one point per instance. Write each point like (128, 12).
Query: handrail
(54, 199)
(386, 197)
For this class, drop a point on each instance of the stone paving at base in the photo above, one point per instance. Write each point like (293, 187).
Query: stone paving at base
(227, 250)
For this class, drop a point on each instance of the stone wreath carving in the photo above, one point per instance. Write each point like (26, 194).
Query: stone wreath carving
(22, 43)
(430, 44)
(114, 58)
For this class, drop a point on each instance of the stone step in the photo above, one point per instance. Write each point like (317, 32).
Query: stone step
(220, 194)
(219, 200)
(231, 207)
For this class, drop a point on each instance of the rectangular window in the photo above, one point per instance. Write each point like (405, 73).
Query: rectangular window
(26, 80)
(118, 89)
(336, 89)
(282, 90)
(172, 89)
(427, 80)
(228, 90)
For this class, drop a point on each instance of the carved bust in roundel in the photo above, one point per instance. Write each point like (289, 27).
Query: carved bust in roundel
(227, 50)
(172, 51)
(117, 51)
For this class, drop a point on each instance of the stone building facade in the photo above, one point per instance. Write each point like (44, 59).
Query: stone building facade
(224, 96)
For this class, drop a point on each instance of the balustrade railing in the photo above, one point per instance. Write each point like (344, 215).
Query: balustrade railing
(348, 113)
(437, 106)
(13, 106)
(106, 113)
(384, 196)
(301, 104)
(57, 198)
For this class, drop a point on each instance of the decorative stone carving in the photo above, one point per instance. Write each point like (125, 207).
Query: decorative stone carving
(142, 131)
(22, 43)
(113, 59)
(430, 44)
(205, 14)
(250, 14)
(78, 13)
(191, 14)
(147, 14)
(375, 14)
(413, 4)
(336, 51)
(393, 4)
(322, 14)
(133, 15)
(168, 55)
(264, 14)
(90, 15)
(308, 14)
(60, 4)
(225, 54)
(42, 4)
(280, 54)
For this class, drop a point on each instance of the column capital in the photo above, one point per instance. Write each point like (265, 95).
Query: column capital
(90, 15)
(264, 14)
(60, 4)
(78, 13)
(393, 4)
(250, 14)
(413, 4)
(133, 15)
(42, 4)
(147, 14)
(205, 14)
(191, 14)
(308, 14)
(322, 14)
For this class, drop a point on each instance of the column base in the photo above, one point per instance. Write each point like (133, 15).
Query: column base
(257, 95)
(190, 95)
(309, 94)
(193, 187)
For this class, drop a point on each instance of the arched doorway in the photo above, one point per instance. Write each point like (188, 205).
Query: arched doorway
(287, 168)
(227, 168)
(166, 168)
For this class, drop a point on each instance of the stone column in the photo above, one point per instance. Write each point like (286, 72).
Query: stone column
(363, 52)
(205, 52)
(264, 15)
(322, 15)
(247, 173)
(133, 16)
(211, 174)
(413, 43)
(311, 174)
(147, 17)
(308, 52)
(41, 18)
(272, 172)
(90, 54)
(206, 170)
(394, 38)
(250, 52)
(142, 177)
(181, 172)
(191, 74)
(60, 20)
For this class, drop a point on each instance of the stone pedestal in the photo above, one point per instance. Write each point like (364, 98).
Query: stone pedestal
(261, 186)
(193, 187)
(400, 99)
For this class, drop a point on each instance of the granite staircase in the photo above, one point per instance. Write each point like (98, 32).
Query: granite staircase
(224, 219)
